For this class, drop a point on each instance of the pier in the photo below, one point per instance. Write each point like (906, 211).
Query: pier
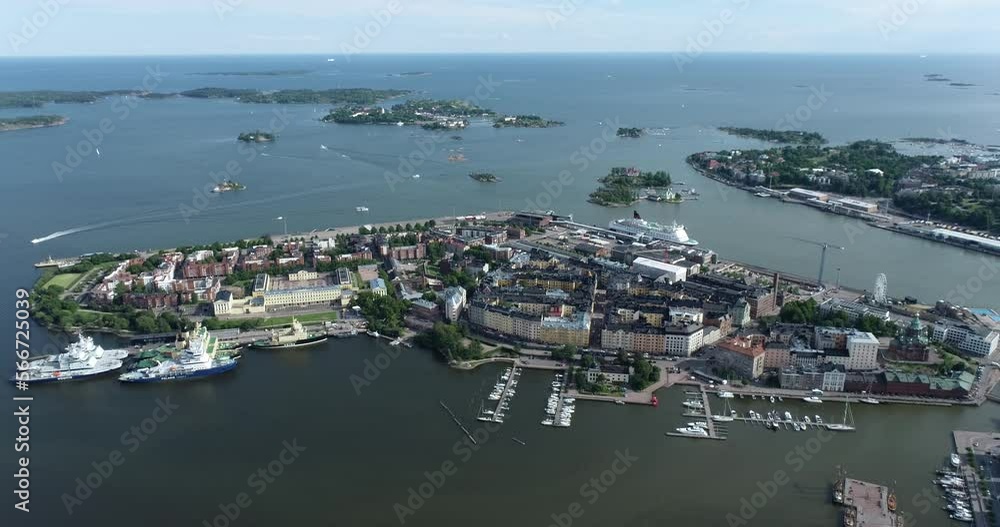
(507, 392)
(459, 423)
(867, 504)
(705, 413)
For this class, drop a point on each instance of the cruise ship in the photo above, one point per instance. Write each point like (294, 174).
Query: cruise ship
(296, 337)
(82, 359)
(648, 230)
(194, 355)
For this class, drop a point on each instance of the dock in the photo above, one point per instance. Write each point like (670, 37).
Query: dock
(867, 504)
(714, 432)
(459, 423)
(505, 395)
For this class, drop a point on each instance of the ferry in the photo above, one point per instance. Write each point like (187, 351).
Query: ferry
(193, 355)
(295, 337)
(636, 226)
(83, 359)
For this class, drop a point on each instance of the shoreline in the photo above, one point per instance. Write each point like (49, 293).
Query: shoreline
(887, 224)
(15, 128)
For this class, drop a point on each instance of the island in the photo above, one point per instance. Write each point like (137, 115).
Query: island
(936, 141)
(633, 133)
(936, 77)
(266, 73)
(430, 114)
(525, 121)
(792, 137)
(621, 186)
(410, 74)
(256, 136)
(228, 186)
(484, 177)
(39, 98)
(9, 124)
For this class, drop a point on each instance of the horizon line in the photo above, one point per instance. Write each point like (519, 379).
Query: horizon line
(512, 53)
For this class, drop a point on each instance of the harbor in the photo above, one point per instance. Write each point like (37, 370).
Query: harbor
(503, 391)
(559, 409)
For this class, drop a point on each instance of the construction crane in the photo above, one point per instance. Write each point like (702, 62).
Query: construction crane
(822, 260)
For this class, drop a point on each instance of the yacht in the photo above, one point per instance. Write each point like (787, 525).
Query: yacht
(361, 209)
(869, 400)
(636, 226)
(956, 461)
(812, 399)
(693, 431)
(694, 404)
(726, 395)
(82, 359)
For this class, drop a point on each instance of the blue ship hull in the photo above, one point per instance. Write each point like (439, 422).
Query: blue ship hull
(186, 376)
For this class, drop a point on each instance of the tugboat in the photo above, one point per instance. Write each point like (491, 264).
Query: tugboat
(295, 337)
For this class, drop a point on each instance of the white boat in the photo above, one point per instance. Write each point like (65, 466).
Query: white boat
(693, 431)
(812, 399)
(548, 422)
(693, 404)
(331, 60)
(361, 209)
(762, 195)
(194, 355)
(772, 399)
(82, 359)
(847, 425)
(636, 226)
(725, 395)
(415, 176)
(723, 418)
(788, 416)
(869, 400)
(956, 461)
(323, 147)
(698, 424)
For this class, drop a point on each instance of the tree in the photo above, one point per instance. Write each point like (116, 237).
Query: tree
(564, 353)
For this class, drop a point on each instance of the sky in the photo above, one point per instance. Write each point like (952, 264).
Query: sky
(332, 27)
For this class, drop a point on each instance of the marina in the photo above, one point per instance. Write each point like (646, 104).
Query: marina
(503, 391)
(559, 409)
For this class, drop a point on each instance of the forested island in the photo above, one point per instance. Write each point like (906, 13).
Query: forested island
(8, 124)
(39, 98)
(267, 73)
(633, 133)
(484, 177)
(792, 137)
(621, 186)
(946, 189)
(431, 114)
(256, 136)
(525, 121)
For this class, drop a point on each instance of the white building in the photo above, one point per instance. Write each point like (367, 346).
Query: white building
(657, 270)
(979, 343)
(454, 302)
(619, 375)
(684, 340)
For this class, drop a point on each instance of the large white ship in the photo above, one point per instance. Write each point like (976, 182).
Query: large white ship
(193, 355)
(636, 226)
(82, 359)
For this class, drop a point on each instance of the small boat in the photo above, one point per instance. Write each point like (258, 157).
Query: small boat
(361, 209)
(323, 147)
(415, 176)
(762, 195)
(772, 399)
(620, 402)
(956, 461)
(812, 399)
(518, 441)
(693, 431)
(869, 400)
(725, 395)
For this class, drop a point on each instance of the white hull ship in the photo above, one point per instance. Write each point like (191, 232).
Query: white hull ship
(193, 356)
(648, 230)
(82, 359)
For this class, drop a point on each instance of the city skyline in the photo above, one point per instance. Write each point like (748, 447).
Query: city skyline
(215, 27)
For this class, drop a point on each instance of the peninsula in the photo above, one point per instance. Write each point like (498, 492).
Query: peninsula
(525, 121)
(621, 186)
(256, 136)
(792, 137)
(10, 124)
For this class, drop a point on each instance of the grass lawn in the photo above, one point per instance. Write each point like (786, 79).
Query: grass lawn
(304, 319)
(64, 280)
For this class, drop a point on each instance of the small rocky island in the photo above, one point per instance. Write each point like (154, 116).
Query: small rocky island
(621, 186)
(10, 124)
(228, 186)
(256, 136)
(791, 137)
(525, 121)
(484, 177)
(632, 133)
